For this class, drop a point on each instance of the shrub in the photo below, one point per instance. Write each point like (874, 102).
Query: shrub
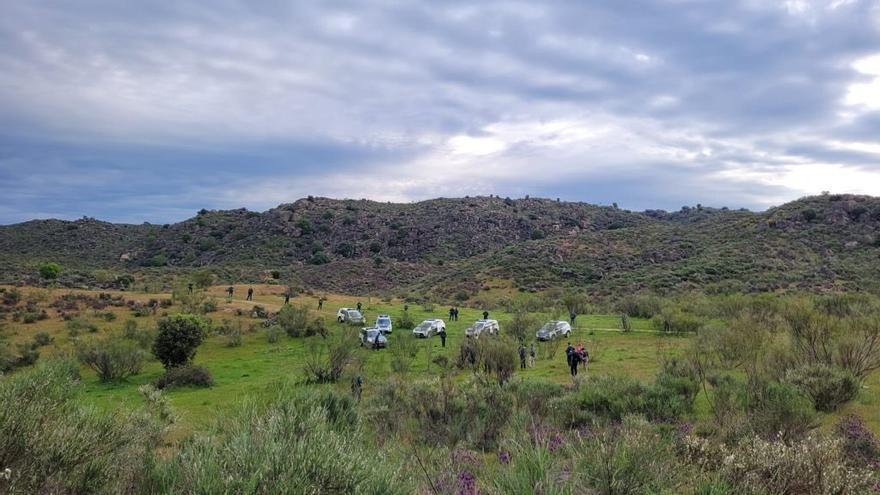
(231, 329)
(680, 377)
(829, 387)
(42, 339)
(327, 359)
(11, 297)
(405, 322)
(294, 320)
(521, 326)
(178, 338)
(676, 321)
(142, 336)
(180, 376)
(778, 410)
(75, 326)
(60, 446)
(288, 444)
(495, 356)
(626, 459)
(611, 398)
(50, 271)
(319, 258)
(639, 306)
(273, 333)
(860, 446)
(814, 465)
(112, 358)
(535, 396)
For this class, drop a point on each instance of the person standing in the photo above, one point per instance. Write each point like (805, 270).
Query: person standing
(532, 354)
(485, 315)
(321, 303)
(229, 293)
(359, 305)
(250, 296)
(442, 337)
(522, 356)
(456, 314)
(287, 297)
(451, 314)
(190, 287)
(569, 356)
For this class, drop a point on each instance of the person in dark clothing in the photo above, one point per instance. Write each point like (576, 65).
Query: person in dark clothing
(229, 293)
(451, 314)
(250, 296)
(190, 287)
(456, 314)
(485, 315)
(522, 356)
(320, 302)
(359, 306)
(443, 338)
(572, 316)
(406, 307)
(287, 296)
(575, 360)
(569, 355)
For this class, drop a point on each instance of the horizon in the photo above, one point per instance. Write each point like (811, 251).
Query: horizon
(148, 113)
(412, 202)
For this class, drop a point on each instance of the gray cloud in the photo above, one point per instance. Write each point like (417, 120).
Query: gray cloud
(147, 111)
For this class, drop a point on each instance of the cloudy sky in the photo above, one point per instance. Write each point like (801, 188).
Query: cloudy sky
(149, 111)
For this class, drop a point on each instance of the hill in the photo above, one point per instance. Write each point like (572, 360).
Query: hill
(456, 247)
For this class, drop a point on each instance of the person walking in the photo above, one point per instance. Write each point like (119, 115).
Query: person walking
(522, 356)
(287, 297)
(443, 337)
(321, 303)
(569, 356)
(359, 305)
(190, 287)
(229, 293)
(250, 296)
(456, 315)
(532, 354)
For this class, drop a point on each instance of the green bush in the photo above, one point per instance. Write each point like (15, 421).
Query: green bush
(113, 358)
(778, 410)
(405, 322)
(828, 386)
(52, 444)
(535, 395)
(42, 339)
(142, 336)
(75, 326)
(273, 333)
(181, 376)
(50, 271)
(284, 445)
(178, 338)
(611, 398)
(639, 306)
(326, 360)
(626, 459)
(676, 321)
(294, 320)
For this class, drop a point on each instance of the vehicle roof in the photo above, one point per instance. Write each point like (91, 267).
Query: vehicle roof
(383, 316)
(486, 321)
(431, 320)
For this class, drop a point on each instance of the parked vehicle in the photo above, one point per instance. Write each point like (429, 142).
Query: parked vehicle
(554, 329)
(480, 327)
(370, 336)
(383, 323)
(429, 328)
(350, 316)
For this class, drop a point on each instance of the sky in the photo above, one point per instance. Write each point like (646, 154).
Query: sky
(149, 111)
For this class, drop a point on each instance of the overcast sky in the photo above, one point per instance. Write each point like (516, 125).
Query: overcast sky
(149, 111)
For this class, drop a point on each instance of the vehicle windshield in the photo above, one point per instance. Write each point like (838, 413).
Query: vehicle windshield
(425, 325)
(479, 325)
(353, 313)
(548, 327)
(372, 333)
(384, 321)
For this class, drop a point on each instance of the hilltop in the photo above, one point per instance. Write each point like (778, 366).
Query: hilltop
(456, 247)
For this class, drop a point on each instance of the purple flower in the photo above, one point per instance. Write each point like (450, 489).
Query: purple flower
(504, 457)
(467, 483)
(556, 442)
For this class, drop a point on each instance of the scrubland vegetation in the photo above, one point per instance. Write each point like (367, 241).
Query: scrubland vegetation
(702, 394)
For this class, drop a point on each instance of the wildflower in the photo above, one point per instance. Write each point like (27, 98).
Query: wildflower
(504, 457)
(467, 483)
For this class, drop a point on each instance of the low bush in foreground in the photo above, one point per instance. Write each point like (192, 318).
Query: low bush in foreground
(181, 376)
(113, 358)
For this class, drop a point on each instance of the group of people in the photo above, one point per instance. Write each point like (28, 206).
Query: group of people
(453, 314)
(530, 355)
(576, 356)
(231, 290)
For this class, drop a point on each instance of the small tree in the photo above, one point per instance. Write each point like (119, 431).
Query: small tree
(522, 325)
(294, 320)
(50, 271)
(575, 303)
(178, 338)
(113, 358)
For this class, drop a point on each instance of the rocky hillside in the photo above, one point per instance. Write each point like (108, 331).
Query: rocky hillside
(450, 246)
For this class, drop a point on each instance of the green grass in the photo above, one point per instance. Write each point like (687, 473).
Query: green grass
(256, 365)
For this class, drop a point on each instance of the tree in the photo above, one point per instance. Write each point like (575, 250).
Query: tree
(50, 271)
(575, 303)
(178, 338)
